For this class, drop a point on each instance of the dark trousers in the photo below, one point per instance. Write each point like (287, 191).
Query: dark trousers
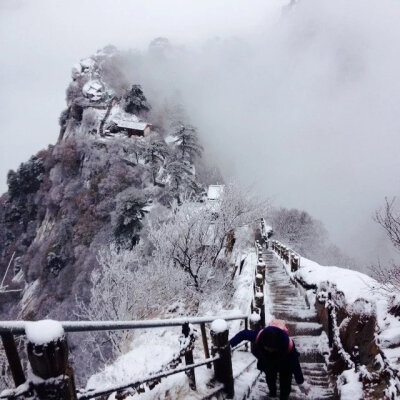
(285, 381)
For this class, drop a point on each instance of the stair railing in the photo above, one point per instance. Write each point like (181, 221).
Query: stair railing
(54, 376)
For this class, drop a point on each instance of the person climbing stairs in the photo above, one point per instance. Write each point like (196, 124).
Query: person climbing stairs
(287, 303)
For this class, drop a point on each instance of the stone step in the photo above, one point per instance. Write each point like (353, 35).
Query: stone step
(293, 316)
(317, 392)
(288, 304)
(282, 301)
(315, 369)
(304, 328)
(309, 348)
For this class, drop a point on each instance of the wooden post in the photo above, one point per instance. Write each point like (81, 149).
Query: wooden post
(330, 321)
(205, 342)
(246, 326)
(261, 270)
(13, 358)
(222, 366)
(189, 359)
(259, 282)
(296, 262)
(355, 356)
(259, 300)
(255, 322)
(255, 325)
(49, 361)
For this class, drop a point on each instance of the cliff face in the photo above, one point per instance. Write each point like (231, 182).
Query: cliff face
(91, 189)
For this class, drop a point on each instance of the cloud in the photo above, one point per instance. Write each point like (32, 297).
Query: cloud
(303, 103)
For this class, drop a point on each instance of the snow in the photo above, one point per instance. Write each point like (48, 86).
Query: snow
(255, 317)
(390, 337)
(119, 114)
(153, 348)
(149, 351)
(261, 264)
(361, 295)
(93, 90)
(244, 284)
(215, 192)
(87, 63)
(219, 325)
(349, 385)
(44, 331)
(354, 285)
(131, 124)
(170, 139)
(29, 295)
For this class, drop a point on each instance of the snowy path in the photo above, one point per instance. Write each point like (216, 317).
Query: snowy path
(285, 302)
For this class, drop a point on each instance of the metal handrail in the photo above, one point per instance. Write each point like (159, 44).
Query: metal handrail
(18, 327)
(96, 393)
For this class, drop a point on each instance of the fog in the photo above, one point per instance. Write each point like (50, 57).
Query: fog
(300, 101)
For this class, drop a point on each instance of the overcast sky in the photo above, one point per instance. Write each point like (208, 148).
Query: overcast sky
(304, 103)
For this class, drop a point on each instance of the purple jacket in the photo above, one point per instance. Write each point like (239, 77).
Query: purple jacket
(286, 360)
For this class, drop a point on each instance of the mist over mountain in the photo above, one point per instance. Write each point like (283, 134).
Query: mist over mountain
(168, 149)
(308, 90)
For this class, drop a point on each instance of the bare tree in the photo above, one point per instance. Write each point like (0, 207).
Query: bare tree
(6, 381)
(237, 207)
(118, 293)
(389, 219)
(182, 241)
(194, 236)
(124, 287)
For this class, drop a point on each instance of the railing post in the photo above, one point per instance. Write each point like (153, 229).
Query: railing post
(259, 300)
(205, 342)
(222, 366)
(355, 357)
(255, 325)
(48, 357)
(294, 263)
(13, 358)
(189, 358)
(246, 326)
(260, 282)
(330, 321)
(261, 269)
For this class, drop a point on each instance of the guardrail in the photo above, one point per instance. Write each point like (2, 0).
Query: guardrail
(257, 318)
(286, 254)
(54, 377)
(292, 259)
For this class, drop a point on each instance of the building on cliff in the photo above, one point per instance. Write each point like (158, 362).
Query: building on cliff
(134, 128)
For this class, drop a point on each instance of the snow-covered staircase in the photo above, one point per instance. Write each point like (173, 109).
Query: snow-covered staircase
(288, 304)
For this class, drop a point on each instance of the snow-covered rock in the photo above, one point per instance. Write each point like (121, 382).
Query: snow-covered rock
(93, 90)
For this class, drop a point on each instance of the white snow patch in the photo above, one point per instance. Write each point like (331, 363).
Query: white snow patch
(93, 90)
(219, 325)
(215, 192)
(150, 350)
(255, 317)
(353, 284)
(349, 385)
(44, 331)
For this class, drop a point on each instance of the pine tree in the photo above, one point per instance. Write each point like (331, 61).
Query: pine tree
(182, 179)
(155, 153)
(130, 210)
(135, 101)
(187, 142)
